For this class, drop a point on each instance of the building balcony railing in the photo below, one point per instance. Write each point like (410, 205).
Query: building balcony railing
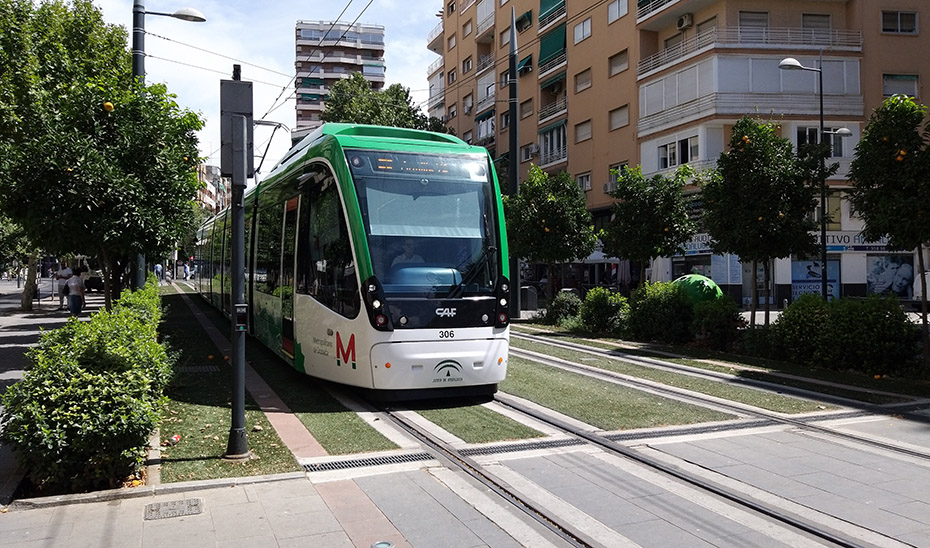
(436, 97)
(553, 109)
(644, 8)
(485, 61)
(437, 30)
(465, 5)
(484, 103)
(552, 64)
(485, 24)
(739, 104)
(552, 17)
(435, 66)
(796, 38)
(553, 156)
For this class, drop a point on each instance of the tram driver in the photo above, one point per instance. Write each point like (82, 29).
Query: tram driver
(409, 255)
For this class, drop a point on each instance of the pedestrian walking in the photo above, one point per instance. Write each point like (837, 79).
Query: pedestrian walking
(187, 271)
(63, 274)
(158, 272)
(75, 285)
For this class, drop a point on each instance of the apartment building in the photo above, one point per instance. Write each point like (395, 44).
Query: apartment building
(660, 83)
(213, 194)
(327, 52)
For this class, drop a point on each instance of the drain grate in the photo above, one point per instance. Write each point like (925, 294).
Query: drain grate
(173, 509)
(198, 369)
(369, 461)
(524, 446)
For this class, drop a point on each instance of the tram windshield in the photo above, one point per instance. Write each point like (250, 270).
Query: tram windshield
(430, 221)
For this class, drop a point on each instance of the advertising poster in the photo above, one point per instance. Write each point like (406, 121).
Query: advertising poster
(805, 278)
(892, 274)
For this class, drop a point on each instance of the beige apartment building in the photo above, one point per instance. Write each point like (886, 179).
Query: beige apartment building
(327, 52)
(660, 83)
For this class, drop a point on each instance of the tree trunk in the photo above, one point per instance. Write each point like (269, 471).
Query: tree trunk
(550, 283)
(923, 303)
(768, 290)
(31, 286)
(754, 294)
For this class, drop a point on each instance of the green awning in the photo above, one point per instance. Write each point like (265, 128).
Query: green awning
(557, 78)
(548, 6)
(484, 115)
(525, 64)
(552, 44)
(552, 126)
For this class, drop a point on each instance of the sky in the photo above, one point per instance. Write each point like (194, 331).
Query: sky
(192, 58)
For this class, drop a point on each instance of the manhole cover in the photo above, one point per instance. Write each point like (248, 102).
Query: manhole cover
(173, 509)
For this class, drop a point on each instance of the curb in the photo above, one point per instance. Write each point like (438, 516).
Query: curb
(147, 491)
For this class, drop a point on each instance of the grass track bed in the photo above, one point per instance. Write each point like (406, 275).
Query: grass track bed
(601, 404)
(478, 424)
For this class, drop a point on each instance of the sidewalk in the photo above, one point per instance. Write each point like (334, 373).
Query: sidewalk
(405, 504)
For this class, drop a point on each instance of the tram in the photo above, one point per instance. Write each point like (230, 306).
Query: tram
(375, 257)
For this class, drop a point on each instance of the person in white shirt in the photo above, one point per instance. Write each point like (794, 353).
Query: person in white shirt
(62, 275)
(408, 256)
(75, 294)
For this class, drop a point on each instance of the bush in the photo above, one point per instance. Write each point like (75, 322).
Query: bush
(758, 341)
(660, 312)
(565, 305)
(799, 332)
(81, 416)
(716, 323)
(604, 311)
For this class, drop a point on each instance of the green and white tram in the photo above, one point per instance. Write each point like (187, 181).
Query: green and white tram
(375, 257)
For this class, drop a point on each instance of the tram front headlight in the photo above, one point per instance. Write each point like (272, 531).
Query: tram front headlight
(503, 302)
(376, 304)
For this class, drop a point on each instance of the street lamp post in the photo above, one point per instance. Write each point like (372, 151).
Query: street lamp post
(138, 71)
(790, 63)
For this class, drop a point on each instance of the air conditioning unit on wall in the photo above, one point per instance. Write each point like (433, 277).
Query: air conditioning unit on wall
(467, 109)
(685, 21)
(534, 149)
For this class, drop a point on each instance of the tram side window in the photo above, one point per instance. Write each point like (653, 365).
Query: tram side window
(325, 266)
(227, 263)
(268, 252)
(247, 243)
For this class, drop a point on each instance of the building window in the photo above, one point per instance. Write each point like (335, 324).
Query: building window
(816, 28)
(526, 108)
(452, 41)
(553, 147)
(453, 111)
(616, 10)
(619, 117)
(706, 26)
(505, 78)
(527, 151)
(467, 136)
(468, 101)
(583, 80)
(505, 120)
(525, 21)
(450, 8)
(678, 152)
(466, 64)
(808, 135)
(674, 41)
(584, 181)
(619, 63)
(583, 131)
(451, 76)
(899, 22)
(505, 37)
(486, 127)
(904, 84)
(466, 28)
(583, 30)
(752, 25)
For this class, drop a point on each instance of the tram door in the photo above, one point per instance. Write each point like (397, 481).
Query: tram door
(287, 277)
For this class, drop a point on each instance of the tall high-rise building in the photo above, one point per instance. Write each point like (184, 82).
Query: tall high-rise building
(660, 83)
(327, 52)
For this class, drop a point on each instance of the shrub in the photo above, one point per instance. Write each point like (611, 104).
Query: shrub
(716, 323)
(758, 341)
(604, 311)
(660, 312)
(81, 416)
(799, 332)
(565, 305)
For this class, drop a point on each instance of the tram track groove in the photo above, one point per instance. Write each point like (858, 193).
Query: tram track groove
(740, 409)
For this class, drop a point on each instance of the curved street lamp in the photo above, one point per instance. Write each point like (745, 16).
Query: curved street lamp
(138, 71)
(790, 63)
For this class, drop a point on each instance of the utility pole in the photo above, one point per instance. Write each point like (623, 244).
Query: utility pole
(513, 164)
(236, 161)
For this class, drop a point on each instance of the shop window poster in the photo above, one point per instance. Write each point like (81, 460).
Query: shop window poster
(806, 278)
(890, 274)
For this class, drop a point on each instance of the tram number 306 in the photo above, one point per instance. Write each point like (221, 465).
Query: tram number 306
(447, 334)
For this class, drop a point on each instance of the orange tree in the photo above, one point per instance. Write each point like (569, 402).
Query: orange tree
(91, 161)
(891, 183)
(547, 222)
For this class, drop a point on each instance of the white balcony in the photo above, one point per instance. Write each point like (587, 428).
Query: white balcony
(435, 66)
(553, 156)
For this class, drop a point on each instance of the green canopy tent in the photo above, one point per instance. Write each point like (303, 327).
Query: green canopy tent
(699, 288)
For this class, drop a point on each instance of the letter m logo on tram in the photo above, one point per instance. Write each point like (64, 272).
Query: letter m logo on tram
(345, 354)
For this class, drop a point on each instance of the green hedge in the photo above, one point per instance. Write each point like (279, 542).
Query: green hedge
(81, 416)
(661, 312)
(564, 306)
(604, 311)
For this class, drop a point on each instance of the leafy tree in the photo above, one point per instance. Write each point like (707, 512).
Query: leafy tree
(93, 161)
(353, 101)
(891, 177)
(650, 216)
(757, 203)
(547, 221)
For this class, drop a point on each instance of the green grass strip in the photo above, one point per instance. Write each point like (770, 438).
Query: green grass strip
(749, 396)
(478, 424)
(602, 404)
